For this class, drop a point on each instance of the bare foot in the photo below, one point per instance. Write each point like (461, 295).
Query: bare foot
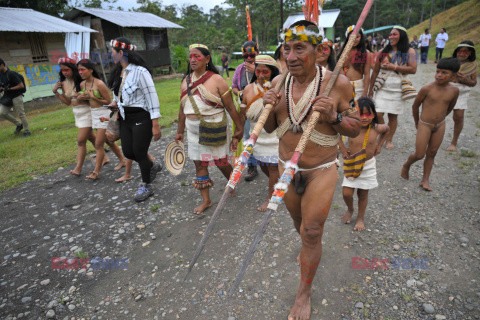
(124, 178)
(204, 206)
(389, 145)
(405, 172)
(120, 166)
(452, 147)
(105, 160)
(263, 207)
(359, 226)
(93, 175)
(75, 172)
(425, 185)
(301, 309)
(347, 217)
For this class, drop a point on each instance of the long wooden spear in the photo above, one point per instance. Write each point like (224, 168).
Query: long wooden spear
(292, 165)
(236, 175)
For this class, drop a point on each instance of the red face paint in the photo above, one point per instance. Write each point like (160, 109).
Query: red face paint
(260, 72)
(195, 57)
(367, 116)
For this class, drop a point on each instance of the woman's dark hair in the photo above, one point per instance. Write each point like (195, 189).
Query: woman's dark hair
(331, 61)
(274, 70)
(358, 63)
(210, 65)
(76, 76)
(402, 48)
(473, 56)
(90, 66)
(278, 52)
(131, 57)
(367, 105)
(452, 64)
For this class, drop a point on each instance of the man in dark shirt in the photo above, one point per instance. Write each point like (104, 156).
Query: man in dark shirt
(225, 64)
(12, 86)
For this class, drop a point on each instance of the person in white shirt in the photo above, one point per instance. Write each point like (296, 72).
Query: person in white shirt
(425, 43)
(440, 41)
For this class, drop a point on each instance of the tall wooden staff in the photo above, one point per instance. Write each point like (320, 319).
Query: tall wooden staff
(292, 165)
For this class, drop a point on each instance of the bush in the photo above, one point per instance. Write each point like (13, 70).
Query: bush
(179, 57)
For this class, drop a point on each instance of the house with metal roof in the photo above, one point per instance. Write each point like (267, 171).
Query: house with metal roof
(326, 21)
(31, 43)
(147, 31)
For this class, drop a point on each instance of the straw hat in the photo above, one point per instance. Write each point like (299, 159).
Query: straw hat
(175, 157)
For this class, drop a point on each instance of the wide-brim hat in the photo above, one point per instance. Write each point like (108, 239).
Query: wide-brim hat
(175, 157)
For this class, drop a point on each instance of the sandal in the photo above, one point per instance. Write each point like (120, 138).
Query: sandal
(92, 175)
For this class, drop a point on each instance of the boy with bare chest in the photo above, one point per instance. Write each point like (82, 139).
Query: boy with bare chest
(359, 161)
(437, 99)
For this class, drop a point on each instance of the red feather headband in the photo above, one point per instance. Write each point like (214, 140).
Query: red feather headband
(122, 45)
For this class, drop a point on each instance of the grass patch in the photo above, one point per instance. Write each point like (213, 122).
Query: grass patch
(467, 153)
(154, 208)
(54, 135)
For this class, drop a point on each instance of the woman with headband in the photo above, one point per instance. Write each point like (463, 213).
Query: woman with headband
(397, 60)
(70, 85)
(136, 99)
(326, 56)
(466, 79)
(205, 98)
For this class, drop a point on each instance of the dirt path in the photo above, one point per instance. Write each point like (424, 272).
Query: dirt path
(58, 215)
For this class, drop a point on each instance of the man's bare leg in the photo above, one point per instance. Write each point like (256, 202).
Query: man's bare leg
(315, 205)
(392, 124)
(271, 171)
(423, 136)
(348, 198)
(362, 207)
(201, 171)
(458, 116)
(433, 145)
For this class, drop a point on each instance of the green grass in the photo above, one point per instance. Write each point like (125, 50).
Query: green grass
(53, 141)
(462, 23)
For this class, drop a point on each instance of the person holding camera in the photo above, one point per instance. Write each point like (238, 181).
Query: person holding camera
(13, 88)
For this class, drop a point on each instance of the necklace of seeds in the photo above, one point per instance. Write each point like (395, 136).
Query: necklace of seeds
(304, 105)
(193, 80)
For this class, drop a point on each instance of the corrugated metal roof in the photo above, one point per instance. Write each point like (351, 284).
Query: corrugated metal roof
(28, 20)
(325, 20)
(127, 18)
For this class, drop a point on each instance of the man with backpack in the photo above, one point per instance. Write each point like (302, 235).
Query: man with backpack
(13, 87)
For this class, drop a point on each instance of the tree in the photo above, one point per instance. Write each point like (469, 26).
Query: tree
(51, 7)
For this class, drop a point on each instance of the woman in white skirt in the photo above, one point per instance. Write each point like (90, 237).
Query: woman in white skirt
(395, 61)
(205, 97)
(70, 86)
(466, 80)
(357, 67)
(95, 91)
(266, 146)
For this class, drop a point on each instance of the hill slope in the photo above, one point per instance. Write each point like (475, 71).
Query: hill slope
(462, 23)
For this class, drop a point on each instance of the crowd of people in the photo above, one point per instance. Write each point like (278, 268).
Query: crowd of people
(352, 124)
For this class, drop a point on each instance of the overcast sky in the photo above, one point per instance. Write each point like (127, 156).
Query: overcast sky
(206, 5)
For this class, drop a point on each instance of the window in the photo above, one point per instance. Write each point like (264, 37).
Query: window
(37, 45)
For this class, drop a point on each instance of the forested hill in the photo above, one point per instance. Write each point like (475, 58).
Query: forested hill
(462, 23)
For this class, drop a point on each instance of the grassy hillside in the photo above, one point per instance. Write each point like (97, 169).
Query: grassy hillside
(462, 23)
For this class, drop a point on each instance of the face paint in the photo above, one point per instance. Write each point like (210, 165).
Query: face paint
(260, 72)
(195, 57)
(367, 116)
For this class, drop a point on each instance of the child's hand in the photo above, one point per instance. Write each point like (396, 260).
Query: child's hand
(103, 119)
(345, 153)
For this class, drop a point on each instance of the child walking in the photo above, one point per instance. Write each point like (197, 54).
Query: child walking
(438, 100)
(359, 164)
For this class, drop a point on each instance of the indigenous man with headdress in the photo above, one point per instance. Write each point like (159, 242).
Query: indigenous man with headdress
(309, 197)
(204, 99)
(357, 67)
(266, 146)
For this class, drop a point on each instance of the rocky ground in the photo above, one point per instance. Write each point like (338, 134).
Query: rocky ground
(431, 241)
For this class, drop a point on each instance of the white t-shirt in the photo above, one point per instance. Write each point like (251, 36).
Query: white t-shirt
(441, 39)
(425, 39)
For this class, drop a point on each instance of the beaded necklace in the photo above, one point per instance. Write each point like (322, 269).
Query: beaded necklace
(193, 78)
(297, 113)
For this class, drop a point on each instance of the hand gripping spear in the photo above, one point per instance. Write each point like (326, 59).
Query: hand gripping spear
(292, 166)
(236, 175)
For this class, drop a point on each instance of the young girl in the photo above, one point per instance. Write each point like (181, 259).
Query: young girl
(326, 57)
(96, 92)
(266, 147)
(357, 66)
(366, 145)
(70, 84)
(398, 59)
(466, 79)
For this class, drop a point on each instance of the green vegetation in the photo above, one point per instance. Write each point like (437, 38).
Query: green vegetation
(53, 141)
(462, 23)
